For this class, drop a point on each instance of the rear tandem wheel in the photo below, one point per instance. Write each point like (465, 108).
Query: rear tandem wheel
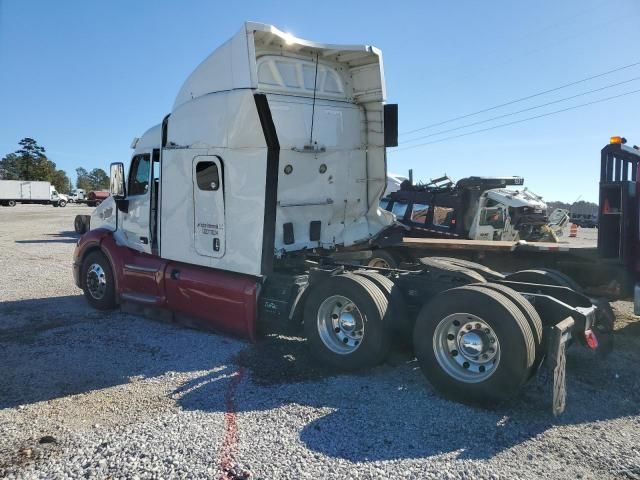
(530, 313)
(400, 323)
(344, 322)
(546, 276)
(474, 345)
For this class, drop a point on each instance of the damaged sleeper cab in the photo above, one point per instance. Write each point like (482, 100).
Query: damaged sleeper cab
(270, 166)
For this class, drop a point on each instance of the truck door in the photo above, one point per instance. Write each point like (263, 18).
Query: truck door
(208, 208)
(492, 221)
(25, 190)
(135, 222)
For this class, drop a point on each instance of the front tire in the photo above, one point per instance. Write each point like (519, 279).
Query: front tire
(62, 204)
(79, 224)
(345, 320)
(474, 345)
(97, 281)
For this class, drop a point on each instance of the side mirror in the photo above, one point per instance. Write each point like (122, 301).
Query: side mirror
(391, 125)
(117, 187)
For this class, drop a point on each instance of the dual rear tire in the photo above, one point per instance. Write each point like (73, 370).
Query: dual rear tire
(476, 344)
(345, 322)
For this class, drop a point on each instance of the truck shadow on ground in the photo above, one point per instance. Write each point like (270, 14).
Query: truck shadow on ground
(61, 237)
(55, 347)
(393, 413)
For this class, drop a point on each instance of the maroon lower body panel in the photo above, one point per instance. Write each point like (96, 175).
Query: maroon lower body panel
(226, 300)
(216, 299)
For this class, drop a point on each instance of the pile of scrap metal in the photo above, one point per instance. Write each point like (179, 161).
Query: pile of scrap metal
(476, 208)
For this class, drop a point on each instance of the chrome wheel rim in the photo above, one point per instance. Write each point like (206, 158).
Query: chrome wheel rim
(96, 281)
(466, 347)
(340, 324)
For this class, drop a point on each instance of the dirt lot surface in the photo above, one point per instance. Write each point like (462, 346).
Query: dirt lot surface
(587, 237)
(112, 395)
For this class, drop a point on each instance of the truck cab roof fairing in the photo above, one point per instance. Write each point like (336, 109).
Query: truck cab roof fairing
(149, 139)
(234, 64)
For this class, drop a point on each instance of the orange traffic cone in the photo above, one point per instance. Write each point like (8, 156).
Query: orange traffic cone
(573, 231)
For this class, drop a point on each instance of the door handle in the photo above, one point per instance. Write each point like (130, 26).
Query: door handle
(175, 274)
(144, 240)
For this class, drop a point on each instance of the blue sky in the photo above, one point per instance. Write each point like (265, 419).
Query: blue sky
(84, 77)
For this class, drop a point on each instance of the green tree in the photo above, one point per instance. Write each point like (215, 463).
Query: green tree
(33, 161)
(61, 181)
(30, 162)
(82, 179)
(96, 179)
(99, 179)
(10, 167)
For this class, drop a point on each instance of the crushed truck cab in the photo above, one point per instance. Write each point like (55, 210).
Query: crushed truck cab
(249, 202)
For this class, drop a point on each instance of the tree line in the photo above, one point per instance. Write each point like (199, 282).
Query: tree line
(30, 162)
(581, 207)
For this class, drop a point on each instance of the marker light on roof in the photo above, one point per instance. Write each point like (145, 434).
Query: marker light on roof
(619, 140)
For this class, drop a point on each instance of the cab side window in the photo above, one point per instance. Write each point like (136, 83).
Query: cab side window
(139, 175)
(207, 176)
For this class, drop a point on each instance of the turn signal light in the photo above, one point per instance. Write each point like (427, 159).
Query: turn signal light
(619, 140)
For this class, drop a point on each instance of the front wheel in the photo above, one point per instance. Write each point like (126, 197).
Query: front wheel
(79, 224)
(62, 203)
(97, 281)
(474, 345)
(345, 320)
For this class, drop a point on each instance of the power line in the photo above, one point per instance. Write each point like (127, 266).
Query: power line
(479, 122)
(545, 46)
(524, 98)
(518, 121)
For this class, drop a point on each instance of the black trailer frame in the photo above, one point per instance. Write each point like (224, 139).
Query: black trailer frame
(618, 217)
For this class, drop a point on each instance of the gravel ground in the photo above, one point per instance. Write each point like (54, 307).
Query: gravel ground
(84, 393)
(587, 237)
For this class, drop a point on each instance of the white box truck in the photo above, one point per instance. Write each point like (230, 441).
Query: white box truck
(23, 191)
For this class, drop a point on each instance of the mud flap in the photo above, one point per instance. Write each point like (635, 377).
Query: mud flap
(556, 362)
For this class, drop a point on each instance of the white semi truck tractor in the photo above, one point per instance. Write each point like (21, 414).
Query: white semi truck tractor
(246, 204)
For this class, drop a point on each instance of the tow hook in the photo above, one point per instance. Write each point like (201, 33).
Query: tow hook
(591, 339)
